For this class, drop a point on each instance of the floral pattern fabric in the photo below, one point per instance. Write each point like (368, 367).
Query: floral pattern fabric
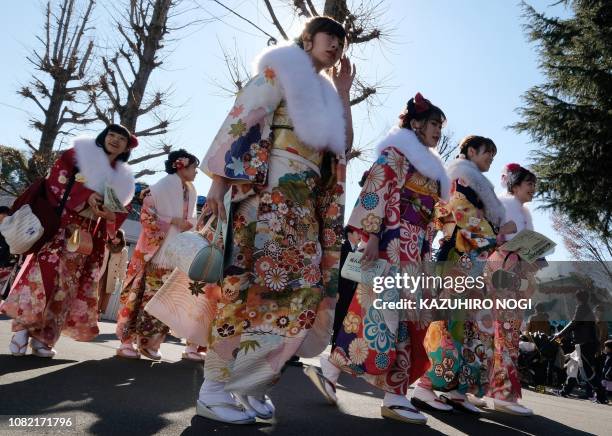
(504, 382)
(384, 347)
(460, 349)
(56, 291)
(281, 280)
(144, 279)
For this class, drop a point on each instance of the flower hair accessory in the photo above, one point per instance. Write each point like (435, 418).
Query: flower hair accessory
(133, 141)
(415, 105)
(180, 163)
(421, 104)
(507, 173)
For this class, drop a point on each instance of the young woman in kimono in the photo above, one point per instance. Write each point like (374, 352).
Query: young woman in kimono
(168, 209)
(393, 214)
(281, 152)
(56, 290)
(504, 383)
(470, 221)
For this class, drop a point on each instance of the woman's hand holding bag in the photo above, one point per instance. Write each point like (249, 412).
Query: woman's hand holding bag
(207, 265)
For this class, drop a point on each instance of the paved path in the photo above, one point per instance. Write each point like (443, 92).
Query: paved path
(107, 396)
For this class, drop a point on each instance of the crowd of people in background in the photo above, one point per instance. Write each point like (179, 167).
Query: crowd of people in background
(280, 154)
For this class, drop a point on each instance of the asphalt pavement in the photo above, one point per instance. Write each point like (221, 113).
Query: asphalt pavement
(106, 395)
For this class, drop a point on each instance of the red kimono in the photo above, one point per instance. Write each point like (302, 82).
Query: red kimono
(56, 290)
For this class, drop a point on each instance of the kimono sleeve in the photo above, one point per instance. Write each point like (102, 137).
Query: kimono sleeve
(153, 223)
(240, 150)
(375, 208)
(474, 232)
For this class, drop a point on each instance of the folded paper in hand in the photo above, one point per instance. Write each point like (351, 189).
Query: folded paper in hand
(111, 202)
(354, 270)
(530, 245)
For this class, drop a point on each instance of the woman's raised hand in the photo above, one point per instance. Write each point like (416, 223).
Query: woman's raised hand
(343, 76)
(216, 194)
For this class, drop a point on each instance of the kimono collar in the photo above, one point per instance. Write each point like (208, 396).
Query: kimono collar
(313, 103)
(93, 164)
(426, 160)
(167, 194)
(468, 171)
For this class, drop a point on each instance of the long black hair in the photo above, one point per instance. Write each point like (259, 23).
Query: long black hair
(123, 131)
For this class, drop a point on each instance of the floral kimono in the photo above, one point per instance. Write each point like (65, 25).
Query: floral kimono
(458, 348)
(56, 290)
(385, 346)
(282, 148)
(148, 268)
(504, 382)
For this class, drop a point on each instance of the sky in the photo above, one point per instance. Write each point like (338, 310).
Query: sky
(470, 57)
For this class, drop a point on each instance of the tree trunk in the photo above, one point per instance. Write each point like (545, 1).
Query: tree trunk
(337, 9)
(151, 44)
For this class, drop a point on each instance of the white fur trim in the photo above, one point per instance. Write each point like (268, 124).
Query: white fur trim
(94, 166)
(167, 195)
(313, 103)
(517, 212)
(426, 160)
(469, 172)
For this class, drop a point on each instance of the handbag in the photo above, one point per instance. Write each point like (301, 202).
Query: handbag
(80, 240)
(188, 314)
(207, 264)
(354, 270)
(192, 253)
(50, 217)
(21, 230)
(183, 247)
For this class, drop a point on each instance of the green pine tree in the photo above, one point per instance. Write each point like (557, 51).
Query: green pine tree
(570, 116)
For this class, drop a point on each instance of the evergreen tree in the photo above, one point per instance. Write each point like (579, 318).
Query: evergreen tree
(570, 116)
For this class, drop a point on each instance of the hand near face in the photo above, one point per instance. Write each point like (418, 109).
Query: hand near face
(343, 75)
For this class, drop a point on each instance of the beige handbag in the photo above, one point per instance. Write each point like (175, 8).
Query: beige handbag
(184, 307)
(193, 254)
(80, 240)
(183, 247)
(21, 230)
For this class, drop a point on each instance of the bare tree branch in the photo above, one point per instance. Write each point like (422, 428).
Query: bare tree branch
(145, 172)
(166, 149)
(313, 11)
(27, 93)
(158, 129)
(301, 8)
(364, 95)
(63, 59)
(275, 20)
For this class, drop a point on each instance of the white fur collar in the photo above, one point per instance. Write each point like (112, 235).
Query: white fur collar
(469, 172)
(517, 212)
(167, 195)
(313, 103)
(426, 160)
(94, 165)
